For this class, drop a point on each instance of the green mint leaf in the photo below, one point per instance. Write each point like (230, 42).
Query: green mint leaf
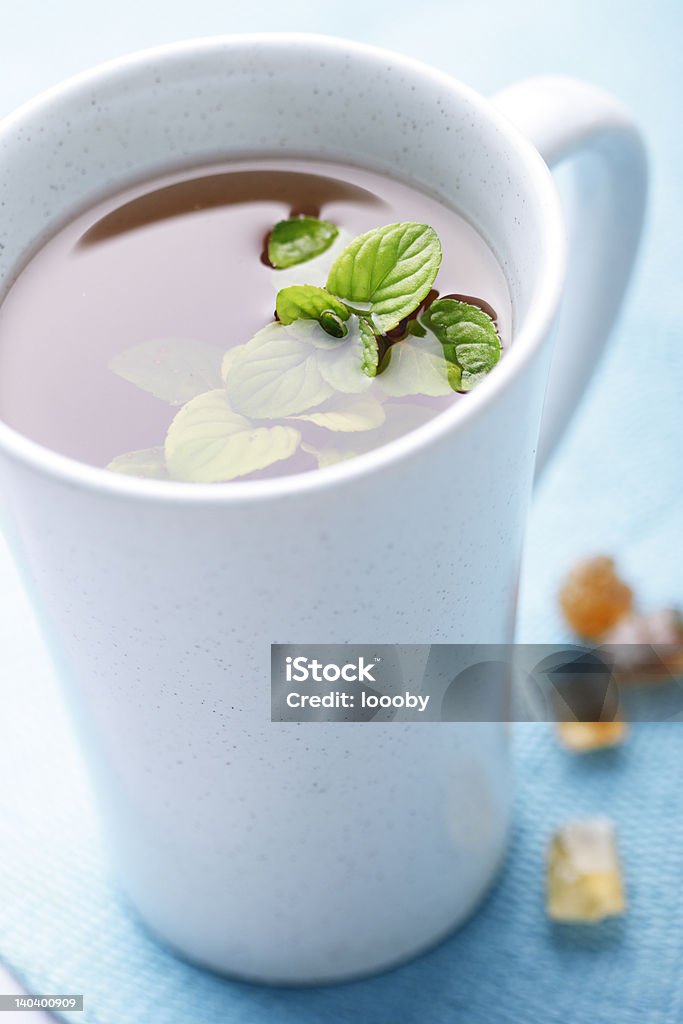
(348, 414)
(469, 338)
(208, 442)
(455, 377)
(306, 302)
(387, 272)
(174, 369)
(415, 366)
(315, 270)
(147, 462)
(299, 239)
(332, 324)
(415, 328)
(370, 359)
(277, 373)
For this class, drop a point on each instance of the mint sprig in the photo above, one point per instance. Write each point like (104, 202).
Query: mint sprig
(382, 277)
(298, 240)
(312, 372)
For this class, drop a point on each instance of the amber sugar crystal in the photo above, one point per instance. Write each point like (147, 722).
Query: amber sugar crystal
(583, 737)
(584, 880)
(647, 647)
(593, 598)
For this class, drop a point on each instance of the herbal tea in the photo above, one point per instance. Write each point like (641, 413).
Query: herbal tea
(252, 319)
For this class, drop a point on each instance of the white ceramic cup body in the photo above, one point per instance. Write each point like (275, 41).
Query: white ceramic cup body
(277, 852)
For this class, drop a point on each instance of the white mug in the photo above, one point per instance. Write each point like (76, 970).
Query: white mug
(318, 852)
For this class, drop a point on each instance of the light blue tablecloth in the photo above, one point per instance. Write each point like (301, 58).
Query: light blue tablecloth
(615, 485)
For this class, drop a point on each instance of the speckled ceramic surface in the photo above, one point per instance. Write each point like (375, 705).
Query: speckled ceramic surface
(277, 852)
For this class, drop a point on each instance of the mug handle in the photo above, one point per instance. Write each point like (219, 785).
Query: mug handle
(566, 118)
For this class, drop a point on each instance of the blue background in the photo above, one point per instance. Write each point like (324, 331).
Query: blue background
(615, 485)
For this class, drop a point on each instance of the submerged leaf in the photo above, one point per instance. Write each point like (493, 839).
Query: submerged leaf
(208, 442)
(174, 369)
(146, 462)
(416, 366)
(277, 373)
(228, 360)
(341, 364)
(328, 456)
(401, 419)
(348, 414)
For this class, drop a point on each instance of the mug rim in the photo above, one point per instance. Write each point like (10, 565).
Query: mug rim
(528, 336)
